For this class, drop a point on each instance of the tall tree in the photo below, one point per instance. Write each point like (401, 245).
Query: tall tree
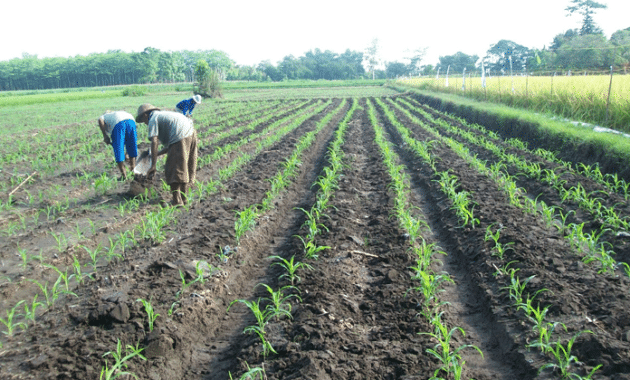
(585, 52)
(586, 8)
(499, 55)
(561, 38)
(415, 57)
(396, 69)
(372, 59)
(458, 62)
(621, 41)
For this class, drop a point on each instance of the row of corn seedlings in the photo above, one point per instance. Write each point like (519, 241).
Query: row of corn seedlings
(223, 150)
(611, 181)
(246, 219)
(462, 204)
(327, 184)
(586, 243)
(447, 353)
(258, 119)
(553, 349)
(277, 303)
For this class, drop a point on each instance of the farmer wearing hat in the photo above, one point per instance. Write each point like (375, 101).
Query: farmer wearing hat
(179, 140)
(186, 106)
(119, 131)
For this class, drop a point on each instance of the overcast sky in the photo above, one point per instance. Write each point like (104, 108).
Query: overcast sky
(253, 31)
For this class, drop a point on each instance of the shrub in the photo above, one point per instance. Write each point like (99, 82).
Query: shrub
(208, 82)
(134, 91)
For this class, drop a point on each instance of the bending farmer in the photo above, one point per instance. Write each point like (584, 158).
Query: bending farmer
(119, 130)
(186, 106)
(179, 139)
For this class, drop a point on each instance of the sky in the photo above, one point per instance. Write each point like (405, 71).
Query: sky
(254, 31)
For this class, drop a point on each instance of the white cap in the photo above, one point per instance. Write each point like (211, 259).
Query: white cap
(197, 99)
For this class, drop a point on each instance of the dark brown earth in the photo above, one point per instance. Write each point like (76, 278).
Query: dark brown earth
(358, 317)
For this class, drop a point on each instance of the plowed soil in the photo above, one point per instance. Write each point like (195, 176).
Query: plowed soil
(356, 315)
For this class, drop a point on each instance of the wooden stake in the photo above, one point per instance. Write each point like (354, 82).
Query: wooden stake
(23, 182)
(364, 253)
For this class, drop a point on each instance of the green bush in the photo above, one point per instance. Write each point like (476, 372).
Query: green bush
(134, 91)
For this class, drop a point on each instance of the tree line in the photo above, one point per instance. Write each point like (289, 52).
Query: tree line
(154, 66)
(583, 49)
(576, 49)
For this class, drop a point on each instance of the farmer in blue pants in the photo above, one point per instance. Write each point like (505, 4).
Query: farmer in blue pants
(119, 131)
(186, 106)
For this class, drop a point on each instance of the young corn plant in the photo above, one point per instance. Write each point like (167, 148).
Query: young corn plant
(245, 222)
(311, 249)
(262, 317)
(9, 323)
(151, 315)
(50, 295)
(120, 362)
(291, 267)
(564, 359)
(62, 242)
(79, 276)
(447, 355)
(499, 248)
(94, 254)
(278, 305)
(251, 374)
(63, 276)
(30, 313)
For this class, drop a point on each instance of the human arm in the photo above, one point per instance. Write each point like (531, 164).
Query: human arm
(103, 128)
(154, 156)
(155, 153)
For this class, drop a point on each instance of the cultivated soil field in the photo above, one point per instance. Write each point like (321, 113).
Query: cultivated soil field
(327, 238)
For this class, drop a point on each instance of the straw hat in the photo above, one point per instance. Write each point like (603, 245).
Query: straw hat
(197, 99)
(144, 108)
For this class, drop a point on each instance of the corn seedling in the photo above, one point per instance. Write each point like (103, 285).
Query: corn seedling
(8, 321)
(62, 242)
(94, 254)
(120, 362)
(443, 351)
(278, 305)
(185, 284)
(52, 294)
(430, 286)
(78, 273)
(245, 222)
(223, 257)
(262, 317)
(563, 357)
(25, 257)
(63, 276)
(251, 374)
(517, 287)
(173, 308)
(311, 249)
(505, 269)
(31, 313)
(151, 315)
(291, 267)
(111, 253)
(499, 249)
(200, 269)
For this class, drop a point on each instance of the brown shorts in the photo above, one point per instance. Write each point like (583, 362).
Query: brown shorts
(181, 161)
